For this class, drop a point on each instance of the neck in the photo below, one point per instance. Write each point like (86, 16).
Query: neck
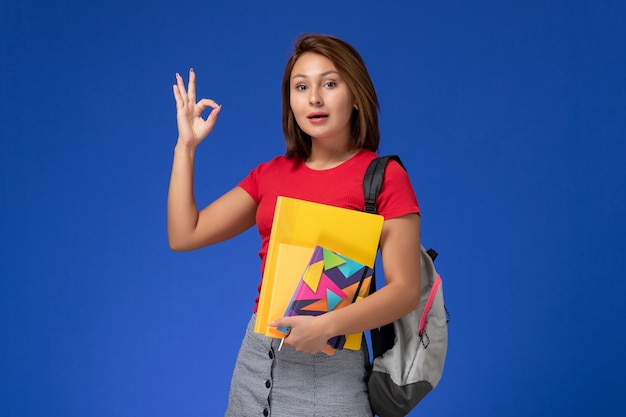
(327, 157)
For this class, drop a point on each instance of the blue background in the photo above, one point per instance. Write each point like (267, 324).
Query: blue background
(510, 117)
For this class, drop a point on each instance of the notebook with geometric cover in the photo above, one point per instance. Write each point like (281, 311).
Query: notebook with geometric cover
(329, 282)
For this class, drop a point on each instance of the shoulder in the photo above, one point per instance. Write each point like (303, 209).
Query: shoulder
(277, 163)
(268, 172)
(395, 171)
(364, 157)
(264, 173)
(397, 196)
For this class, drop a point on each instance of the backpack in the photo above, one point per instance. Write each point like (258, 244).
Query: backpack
(408, 354)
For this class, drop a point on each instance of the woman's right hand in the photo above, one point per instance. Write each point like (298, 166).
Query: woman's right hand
(192, 128)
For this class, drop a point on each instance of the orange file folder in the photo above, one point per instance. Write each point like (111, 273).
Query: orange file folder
(297, 228)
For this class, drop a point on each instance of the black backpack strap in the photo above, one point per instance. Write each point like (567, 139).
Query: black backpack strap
(373, 180)
(382, 338)
(372, 184)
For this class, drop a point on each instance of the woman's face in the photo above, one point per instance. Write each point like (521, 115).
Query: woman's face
(320, 99)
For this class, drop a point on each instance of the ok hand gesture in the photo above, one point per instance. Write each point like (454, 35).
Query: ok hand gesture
(192, 128)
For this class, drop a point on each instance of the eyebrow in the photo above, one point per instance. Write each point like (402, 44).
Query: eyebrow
(324, 74)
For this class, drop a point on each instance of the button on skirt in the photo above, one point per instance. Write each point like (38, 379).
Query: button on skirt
(267, 382)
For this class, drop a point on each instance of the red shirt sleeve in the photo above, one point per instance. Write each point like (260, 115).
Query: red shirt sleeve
(250, 184)
(396, 197)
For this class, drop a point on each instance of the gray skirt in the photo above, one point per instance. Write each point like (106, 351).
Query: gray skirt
(266, 382)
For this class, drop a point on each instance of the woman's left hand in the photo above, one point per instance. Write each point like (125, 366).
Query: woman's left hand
(307, 333)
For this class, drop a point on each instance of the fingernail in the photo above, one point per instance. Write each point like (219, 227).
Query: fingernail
(191, 69)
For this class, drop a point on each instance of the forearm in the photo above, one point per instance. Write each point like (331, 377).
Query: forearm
(182, 211)
(384, 306)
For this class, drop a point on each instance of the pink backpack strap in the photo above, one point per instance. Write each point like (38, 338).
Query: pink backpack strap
(429, 303)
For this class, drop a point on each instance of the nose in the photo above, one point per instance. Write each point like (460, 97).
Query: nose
(315, 98)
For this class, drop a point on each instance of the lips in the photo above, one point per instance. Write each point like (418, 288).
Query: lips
(317, 116)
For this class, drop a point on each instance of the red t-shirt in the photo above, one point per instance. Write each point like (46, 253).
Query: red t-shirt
(341, 186)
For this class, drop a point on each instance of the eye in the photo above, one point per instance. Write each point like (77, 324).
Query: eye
(300, 87)
(330, 84)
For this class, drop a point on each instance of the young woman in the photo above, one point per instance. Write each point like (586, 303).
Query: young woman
(330, 123)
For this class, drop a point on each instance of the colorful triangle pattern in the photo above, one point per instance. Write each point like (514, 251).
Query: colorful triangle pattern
(330, 281)
(312, 275)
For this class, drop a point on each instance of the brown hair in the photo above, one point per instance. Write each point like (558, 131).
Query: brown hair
(364, 123)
